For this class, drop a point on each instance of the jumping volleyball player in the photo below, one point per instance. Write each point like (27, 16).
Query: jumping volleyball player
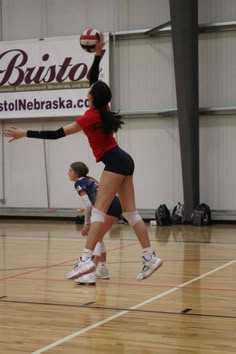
(99, 123)
(87, 188)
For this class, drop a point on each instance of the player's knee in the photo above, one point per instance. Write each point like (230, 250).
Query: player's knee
(132, 217)
(97, 215)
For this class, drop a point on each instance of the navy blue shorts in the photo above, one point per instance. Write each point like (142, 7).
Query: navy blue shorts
(115, 208)
(118, 161)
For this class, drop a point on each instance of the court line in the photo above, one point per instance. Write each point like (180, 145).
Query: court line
(143, 284)
(34, 270)
(119, 309)
(61, 263)
(125, 262)
(119, 314)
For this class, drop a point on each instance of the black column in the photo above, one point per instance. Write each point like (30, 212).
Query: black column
(184, 21)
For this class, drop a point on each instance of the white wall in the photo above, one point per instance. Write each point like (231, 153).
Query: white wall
(144, 75)
(216, 10)
(1, 165)
(142, 80)
(217, 161)
(154, 145)
(217, 69)
(52, 18)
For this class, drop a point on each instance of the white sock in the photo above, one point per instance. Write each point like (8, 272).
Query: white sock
(101, 264)
(86, 254)
(97, 249)
(147, 253)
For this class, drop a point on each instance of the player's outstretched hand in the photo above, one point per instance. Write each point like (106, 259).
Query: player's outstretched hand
(100, 45)
(14, 133)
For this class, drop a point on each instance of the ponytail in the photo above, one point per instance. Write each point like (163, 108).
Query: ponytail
(111, 121)
(101, 94)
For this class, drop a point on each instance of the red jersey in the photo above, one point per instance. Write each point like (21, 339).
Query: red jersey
(91, 124)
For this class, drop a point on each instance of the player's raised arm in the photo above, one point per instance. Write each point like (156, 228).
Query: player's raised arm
(94, 73)
(16, 133)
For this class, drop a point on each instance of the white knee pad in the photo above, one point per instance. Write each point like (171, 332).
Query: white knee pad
(97, 216)
(97, 250)
(132, 217)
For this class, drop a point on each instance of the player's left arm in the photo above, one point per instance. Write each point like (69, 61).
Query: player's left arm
(87, 212)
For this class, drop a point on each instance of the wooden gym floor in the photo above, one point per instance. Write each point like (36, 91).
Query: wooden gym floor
(187, 306)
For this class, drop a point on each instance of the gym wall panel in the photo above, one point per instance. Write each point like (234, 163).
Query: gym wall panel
(216, 10)
(25, 182)
(217, 69)
(78, 15)
(217, 161)
(1, 168)
(21, 19)
(52, 18)
(145, 75)
(139, 14)
(1, 21)
(154, 145)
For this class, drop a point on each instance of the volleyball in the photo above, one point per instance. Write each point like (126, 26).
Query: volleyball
(88, 39)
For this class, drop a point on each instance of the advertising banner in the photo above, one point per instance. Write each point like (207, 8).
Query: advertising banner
(46, 78)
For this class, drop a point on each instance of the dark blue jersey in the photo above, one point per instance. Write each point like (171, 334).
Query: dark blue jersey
(90, 186)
